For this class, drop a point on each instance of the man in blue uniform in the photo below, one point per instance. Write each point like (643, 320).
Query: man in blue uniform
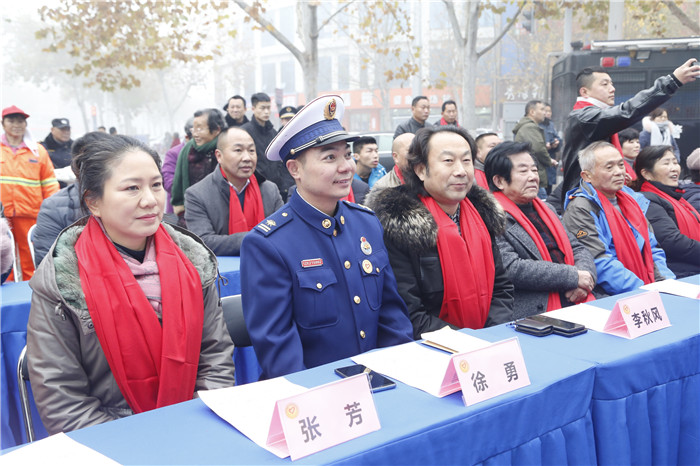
(315, 276)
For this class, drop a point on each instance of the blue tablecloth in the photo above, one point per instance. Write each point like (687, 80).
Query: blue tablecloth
(546, 422)
(646, 398)
(14, 313)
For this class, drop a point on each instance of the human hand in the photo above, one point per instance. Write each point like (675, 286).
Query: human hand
(688, 71)
(585, 280)
(576, 295)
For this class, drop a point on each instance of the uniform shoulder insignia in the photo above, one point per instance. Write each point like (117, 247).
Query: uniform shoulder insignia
(581, 234)
(274, 222)
(360, 207)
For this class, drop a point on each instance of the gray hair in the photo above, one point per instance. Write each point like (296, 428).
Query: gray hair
(586, 156)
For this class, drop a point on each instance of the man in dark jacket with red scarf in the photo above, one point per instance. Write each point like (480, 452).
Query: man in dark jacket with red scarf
(223, 207)
(440, 232)
(595, 116)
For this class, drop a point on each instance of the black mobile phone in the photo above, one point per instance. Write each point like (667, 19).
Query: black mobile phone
(532, 327)
(378, 381)
(561, 327)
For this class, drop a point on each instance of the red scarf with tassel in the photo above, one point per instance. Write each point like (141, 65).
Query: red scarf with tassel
(468, 269)
(555, 228)
(153, 365)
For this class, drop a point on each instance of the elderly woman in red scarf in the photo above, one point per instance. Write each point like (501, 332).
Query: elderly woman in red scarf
(125, 315)
(549, 267)
(439, 231)
(676, 223)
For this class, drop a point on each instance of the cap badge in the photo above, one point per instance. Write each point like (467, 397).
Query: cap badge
(365, 246)
(329, 110)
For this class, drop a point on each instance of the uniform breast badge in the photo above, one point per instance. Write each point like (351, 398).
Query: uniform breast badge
(367, 266)
(365, 246)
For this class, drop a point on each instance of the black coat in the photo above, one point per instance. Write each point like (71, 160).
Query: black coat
(410, 236)
(682, 253)
(272, 170)
(590, 124)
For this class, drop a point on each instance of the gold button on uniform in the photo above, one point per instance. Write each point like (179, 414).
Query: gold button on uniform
(377, 269)
(347, 264)
(342, 220)
(284, 214)
(356, 299)
(335, 232)
(326, 223)
(362, 334)
(319, 286)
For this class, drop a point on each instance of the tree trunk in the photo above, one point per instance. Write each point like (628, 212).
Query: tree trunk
(309, 33)
(469, 59)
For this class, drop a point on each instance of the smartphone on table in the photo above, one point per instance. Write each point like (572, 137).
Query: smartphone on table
(561, 327)
(377, 381)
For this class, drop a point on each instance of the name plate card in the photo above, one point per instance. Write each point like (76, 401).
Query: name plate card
(323, 417)
(488, 372)
(637, 315)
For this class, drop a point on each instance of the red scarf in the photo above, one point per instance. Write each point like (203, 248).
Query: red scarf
(555, 228)
(639, 263)
(350, 197)
(614, 140)
(240, 221)
(468, 270)
(687, 217)
(629, 169)
(480, 177)
(153, 365)
(399, 174)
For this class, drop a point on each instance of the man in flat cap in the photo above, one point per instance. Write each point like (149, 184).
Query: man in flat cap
(315, 276)
(58, 144)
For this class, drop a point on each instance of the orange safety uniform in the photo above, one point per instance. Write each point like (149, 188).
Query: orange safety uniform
(26, 179)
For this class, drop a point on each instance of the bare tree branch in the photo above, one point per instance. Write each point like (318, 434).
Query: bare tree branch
(333, 15)
(453, 21)
(503, 32)
(682, 17)
(269, 27)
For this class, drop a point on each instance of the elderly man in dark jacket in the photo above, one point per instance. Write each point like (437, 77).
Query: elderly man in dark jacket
(440, 232)
(548, 266)
(223, 207)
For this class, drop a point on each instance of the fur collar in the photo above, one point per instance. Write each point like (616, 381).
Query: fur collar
(407, 222)
(65, 260)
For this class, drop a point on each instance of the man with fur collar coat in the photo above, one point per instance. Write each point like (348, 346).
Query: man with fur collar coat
(439, 231)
